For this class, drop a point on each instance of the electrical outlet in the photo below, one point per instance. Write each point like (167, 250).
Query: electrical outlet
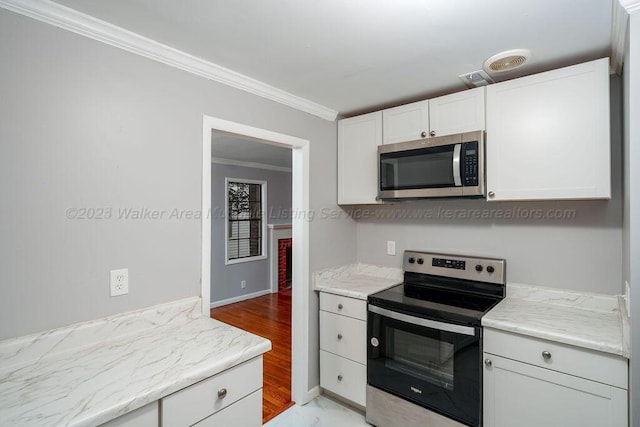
(391, 247)
(119, 282)
(243, 284)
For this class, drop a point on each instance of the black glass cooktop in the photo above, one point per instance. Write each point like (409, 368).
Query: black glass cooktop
(455, 305)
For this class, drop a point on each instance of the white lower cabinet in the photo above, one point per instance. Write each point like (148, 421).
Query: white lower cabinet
(225, 395)
(525, 384)
(343, 347)
(343, 377)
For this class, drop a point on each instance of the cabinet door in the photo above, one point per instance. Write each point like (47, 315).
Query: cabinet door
(548, 135)
(457, 113)
(523, 395)
(358, 140)
(405, 123)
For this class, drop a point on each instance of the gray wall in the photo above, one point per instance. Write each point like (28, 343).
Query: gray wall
(631, 228)
(225, 279)
(583, 253)
(83, 124)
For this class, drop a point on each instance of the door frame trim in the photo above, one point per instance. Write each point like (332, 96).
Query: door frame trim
(300, 391)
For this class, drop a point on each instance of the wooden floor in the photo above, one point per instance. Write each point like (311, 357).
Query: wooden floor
(270, 317)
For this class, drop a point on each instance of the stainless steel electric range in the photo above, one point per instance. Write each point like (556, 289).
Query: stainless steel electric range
(425, 341)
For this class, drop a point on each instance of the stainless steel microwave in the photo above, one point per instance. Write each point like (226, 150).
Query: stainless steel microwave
(445, 166)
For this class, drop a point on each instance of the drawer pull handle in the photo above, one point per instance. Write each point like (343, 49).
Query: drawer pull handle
(339, 336)
(488, 362)
(340, 377)
(340, 306)
(222, 393)
(546, 355)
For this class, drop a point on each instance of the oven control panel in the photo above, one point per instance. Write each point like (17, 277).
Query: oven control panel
(491, 270)
(448, 263)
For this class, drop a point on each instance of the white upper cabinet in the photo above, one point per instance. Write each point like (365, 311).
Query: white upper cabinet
(457, 113)
(405, 123)
(358, 140)
(548, 135)
(446, 115)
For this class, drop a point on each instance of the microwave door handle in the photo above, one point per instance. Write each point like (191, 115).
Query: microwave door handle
(456, 165)
(427, 323)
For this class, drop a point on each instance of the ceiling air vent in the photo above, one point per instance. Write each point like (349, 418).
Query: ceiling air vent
(507, 60)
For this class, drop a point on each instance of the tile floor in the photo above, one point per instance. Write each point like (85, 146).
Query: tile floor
(320, 412)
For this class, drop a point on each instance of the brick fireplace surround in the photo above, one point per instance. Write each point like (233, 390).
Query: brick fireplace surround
(283, 244)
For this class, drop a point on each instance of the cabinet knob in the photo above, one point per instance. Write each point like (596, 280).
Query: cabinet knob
(546, 355)
(222, 393)
(423, 134)
(492, 194)
(432, 133)
(340, 306)
(488, 362)
(339, 377)
(339, 336)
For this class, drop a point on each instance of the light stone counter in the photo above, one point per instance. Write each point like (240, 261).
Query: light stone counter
(593, 321)
(356, 280)
(92, 372)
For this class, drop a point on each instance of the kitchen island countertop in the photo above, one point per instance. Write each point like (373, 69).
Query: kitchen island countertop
(89, 373)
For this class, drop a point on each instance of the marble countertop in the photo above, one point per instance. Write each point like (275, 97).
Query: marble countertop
(593, 321)
(89, 373)
(356, 280)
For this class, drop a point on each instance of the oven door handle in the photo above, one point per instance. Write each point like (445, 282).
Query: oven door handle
(456, 165)
(428, 323)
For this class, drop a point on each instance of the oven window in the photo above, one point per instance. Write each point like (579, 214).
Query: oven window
(421, 357)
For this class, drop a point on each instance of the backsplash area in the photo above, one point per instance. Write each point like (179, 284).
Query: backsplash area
(568, 245)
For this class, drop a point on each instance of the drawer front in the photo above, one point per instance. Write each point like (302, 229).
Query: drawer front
(346, 306)
(343, 377)
(247, 412)
(344, 336)
(190, 405)
(593, 365)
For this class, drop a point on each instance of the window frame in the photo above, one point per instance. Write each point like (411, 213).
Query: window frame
(263, 211)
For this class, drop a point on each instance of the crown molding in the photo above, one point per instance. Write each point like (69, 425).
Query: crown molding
(253, 165)
(630, 5)
(69, 19)
(619, 19)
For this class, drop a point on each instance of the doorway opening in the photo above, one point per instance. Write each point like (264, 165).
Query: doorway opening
(299, 249)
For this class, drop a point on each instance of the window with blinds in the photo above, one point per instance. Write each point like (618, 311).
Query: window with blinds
(245, 219)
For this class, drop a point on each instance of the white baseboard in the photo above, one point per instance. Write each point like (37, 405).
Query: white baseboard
(240, 298)
(311, 394)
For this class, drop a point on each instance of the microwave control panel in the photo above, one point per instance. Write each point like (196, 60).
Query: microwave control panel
(469, 164)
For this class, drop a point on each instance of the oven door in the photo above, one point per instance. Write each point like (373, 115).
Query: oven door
(431, 363)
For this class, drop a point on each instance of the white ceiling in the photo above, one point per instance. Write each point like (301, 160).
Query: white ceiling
(359, 55)
(242, 149)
